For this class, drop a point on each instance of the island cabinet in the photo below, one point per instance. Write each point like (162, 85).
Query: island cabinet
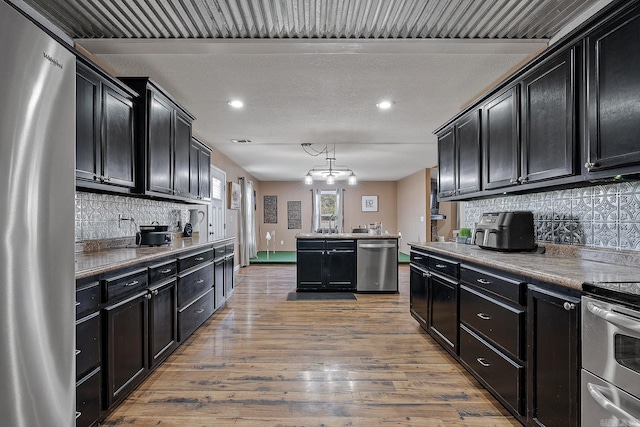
(164, 133)
(613, 87)
(553, 356)
(326, 265)
(459, 157)
(105, 144)
(518, 337)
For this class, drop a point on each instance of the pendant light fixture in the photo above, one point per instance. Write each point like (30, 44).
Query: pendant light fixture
(329, 172)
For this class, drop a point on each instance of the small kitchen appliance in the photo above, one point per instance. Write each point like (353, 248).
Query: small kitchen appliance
(153, 235)
(506, 231)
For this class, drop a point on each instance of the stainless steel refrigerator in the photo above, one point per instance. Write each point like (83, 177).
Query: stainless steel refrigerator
(37, 155)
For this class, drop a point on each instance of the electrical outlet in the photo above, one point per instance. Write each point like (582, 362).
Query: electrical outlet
(282, 242)
(421, 218)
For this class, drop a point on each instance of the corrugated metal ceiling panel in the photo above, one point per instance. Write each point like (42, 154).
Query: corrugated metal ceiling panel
(371, 19)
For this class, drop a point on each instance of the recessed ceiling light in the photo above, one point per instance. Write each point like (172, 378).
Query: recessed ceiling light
(384, 105)
(236, 103)
(241, 141)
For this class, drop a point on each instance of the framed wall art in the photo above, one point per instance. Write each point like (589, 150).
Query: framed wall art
(234, 195)
(369, 203)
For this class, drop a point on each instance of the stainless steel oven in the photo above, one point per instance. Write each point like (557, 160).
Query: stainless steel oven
(610, 363)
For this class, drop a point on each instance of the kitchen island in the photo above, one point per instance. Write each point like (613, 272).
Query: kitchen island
(347, 262)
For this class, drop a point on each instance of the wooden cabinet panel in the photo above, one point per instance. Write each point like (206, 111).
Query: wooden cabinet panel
(468, 156)
(193, 315)
(193, 284)
(549, 119)
(553, 363)
(117, 138)
(88, 144)
(159, 174)
(613, 58)
(447, 163)
(443, 311)
(88, 395)
(341, 269)
(418, 295)
(204, 173)
(310, 269)
(182, 150)
(501, 140)
(163, 322)
(218, 282)
(88, 345)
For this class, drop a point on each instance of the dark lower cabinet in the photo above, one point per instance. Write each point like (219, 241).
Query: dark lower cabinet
(309, 268)
(553, 358)
(195, 314)
(126, 346)
(218, 282)
(88, 394)
(228, 274)
(340, 269)
(163, 321)
(326, 265)
(418, 295)
(443, 311)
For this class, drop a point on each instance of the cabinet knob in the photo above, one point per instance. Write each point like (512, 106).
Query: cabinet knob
(590, 165)
(513, 181)
(155, 292)
(426, 275)
(569, 306)
(522, 179)
(148, 296)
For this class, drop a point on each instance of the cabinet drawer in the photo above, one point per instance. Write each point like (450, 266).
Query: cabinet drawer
(341, 244)
(194, 259)
(317, 244)
(87, 344)
(228, 249)
(443, 266)
(162, 271)
(219, 252)
(500, 323)
(419, 258)
(87, 298)
(124, 284)
(88, 399)
(499, 373)
(194, 315)
(194, 284)
(505, 287)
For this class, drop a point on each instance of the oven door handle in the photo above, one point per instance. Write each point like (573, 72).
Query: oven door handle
(613, 318)
(627, 419)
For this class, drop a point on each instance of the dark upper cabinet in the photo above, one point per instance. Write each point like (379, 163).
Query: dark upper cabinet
(105, 144)
(613, 91)
(200, 171)
(459, 157)
(548, 119)
(500, 139)
(164, 131)
(553, 365)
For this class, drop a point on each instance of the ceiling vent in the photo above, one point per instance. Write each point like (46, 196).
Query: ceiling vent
(241, 141)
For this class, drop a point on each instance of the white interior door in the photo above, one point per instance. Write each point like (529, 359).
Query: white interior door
(216, 207)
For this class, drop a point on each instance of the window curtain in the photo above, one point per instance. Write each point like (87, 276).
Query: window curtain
(247, 240)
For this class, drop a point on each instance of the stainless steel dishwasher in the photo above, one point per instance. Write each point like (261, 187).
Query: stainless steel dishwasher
(377, 265)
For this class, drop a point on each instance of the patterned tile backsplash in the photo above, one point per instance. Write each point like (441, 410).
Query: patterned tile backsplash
(603, 216)
(97, 215)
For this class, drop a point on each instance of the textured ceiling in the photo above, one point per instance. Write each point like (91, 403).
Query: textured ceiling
(311, 71)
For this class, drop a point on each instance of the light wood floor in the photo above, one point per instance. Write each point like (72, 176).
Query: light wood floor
(265, 361)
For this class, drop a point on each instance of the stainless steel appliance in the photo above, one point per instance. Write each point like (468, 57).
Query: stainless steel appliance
(37, 190)
(377, 261)
(610, 361)
(506, 231)
(153, 235)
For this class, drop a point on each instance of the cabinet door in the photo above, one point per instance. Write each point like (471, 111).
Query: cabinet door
(204, 173)
(159, 150)
(309, 267)
(443, 311)
(228, 275)
(194, 170)
(446, 163)
(126, 324)
(88, 150)
(548, 120)
(182, 150)
(500, 140)
(467, 135)
(218, 282)
(553, 363)
(117, 138)
(418, 295)
(613, 93)
(163, 322)
(341, 269)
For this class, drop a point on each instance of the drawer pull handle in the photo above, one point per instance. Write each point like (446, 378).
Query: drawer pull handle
(200, 311)
(168, 270)
(200, 258)
(78, 352)
(199, 281)
(135, 282)
(78, 414)
(483, 316)
(417, 257)
(483, 281)
(440, 265)
(483, 362)
(77, 303)
(426, 275)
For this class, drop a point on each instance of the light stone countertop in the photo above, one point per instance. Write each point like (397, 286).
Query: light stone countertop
(570, 268)
(355, 236)
(91, 263)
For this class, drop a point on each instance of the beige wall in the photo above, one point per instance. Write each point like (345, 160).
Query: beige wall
(353, 215)
(412, 206)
